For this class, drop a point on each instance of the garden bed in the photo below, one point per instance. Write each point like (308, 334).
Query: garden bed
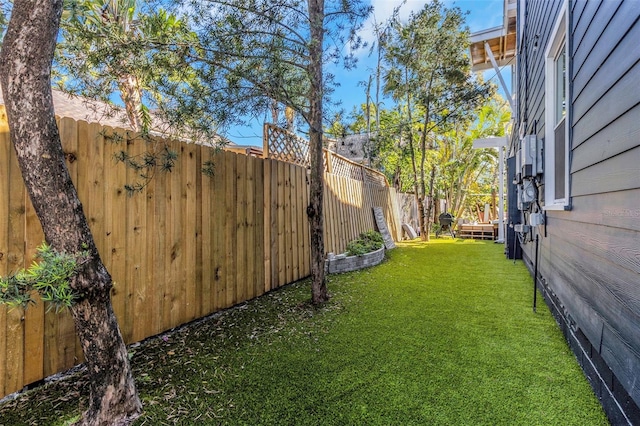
(343, 263)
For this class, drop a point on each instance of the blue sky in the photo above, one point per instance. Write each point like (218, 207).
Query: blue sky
(482, 14)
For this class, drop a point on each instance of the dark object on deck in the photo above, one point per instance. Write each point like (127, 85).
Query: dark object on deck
(446, 220)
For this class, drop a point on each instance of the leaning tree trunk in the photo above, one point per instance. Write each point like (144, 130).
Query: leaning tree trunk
(25, 67)
(319, 293)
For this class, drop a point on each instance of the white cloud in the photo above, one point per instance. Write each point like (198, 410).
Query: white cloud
(383, 10)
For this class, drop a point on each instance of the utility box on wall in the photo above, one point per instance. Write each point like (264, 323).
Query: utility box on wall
(530, 156)
(513, 250)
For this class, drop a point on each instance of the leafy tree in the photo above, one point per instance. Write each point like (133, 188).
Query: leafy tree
(465, 169)
(136, 50)
(111, 47)
(429, 73)
(25, 67)
(251, 54)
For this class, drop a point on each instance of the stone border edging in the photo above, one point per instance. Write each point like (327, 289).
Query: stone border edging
(341, 263)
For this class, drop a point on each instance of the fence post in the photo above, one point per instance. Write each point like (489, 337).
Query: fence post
(327, 159)
(265, 140)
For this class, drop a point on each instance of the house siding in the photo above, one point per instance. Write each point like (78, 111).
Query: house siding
(589, 256)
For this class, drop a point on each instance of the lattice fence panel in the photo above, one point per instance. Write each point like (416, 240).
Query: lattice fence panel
(281, 144)
(371, 176)
(285, 146)
(345, 168)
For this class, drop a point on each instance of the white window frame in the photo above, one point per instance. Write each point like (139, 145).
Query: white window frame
(556, 41)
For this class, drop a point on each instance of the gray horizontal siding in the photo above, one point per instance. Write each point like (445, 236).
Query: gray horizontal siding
(600, 293)
(620, 209)
(590, 255)
(600, 45)
(619, 97)
(618, 173)
(616, 138)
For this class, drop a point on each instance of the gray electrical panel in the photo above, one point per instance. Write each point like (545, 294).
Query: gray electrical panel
(530, 156)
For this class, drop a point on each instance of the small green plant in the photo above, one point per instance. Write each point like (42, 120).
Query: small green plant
(367, 242)
(49, 277)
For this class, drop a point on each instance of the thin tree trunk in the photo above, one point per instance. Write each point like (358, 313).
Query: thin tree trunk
(428, 219)
(274, 112)
(25, 67)
(290, 115)
(416, 186)
(319, 293)
(132, 98)
(425, 223)
(366, 146)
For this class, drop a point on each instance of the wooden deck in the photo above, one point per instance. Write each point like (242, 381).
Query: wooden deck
(482, 231)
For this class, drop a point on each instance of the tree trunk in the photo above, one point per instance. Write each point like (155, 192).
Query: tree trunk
(132, 98)
(428, 220)
(416, 187)
(25, 67)
(319, 293)
(275, 113)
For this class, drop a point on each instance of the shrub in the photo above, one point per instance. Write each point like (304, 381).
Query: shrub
(369, 241)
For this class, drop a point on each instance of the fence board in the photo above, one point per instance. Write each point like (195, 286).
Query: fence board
(198, 175)
(259, 222)
(114, 255)
(206, 242)
(307, 233)
(137, 291)
(187, 173)
(157, 228)
(177, 280)
(250, 254)
(328, 205)
(281, 248)
(14, 355)
(267, 221)
(287, 221)
(230, 228)
(293, 223)
(241, 228)
(183, 247)
(218, 211)
(274, 267)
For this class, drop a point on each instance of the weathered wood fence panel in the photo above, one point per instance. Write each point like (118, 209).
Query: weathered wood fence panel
(185, 246)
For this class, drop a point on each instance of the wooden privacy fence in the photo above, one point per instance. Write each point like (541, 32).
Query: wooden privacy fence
(188, 245)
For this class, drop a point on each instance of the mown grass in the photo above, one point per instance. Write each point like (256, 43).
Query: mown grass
(440, 334)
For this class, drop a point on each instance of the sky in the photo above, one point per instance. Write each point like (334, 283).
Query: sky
(483, 14)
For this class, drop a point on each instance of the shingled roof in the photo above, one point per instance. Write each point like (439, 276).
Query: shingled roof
(79, 108)
(66, 105)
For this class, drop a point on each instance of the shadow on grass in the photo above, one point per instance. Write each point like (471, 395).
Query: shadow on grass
(442, 333)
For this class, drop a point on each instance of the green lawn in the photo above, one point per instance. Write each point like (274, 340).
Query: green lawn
(440, 334)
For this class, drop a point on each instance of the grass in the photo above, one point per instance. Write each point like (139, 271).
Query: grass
(440, 334)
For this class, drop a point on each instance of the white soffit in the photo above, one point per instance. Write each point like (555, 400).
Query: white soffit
(501, 40)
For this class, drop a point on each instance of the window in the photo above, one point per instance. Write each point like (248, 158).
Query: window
(556, 149)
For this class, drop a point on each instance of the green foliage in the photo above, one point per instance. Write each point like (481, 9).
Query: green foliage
(254, 54)
(367, 242)
(49, 277)
(428, 74)
(158, 157)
